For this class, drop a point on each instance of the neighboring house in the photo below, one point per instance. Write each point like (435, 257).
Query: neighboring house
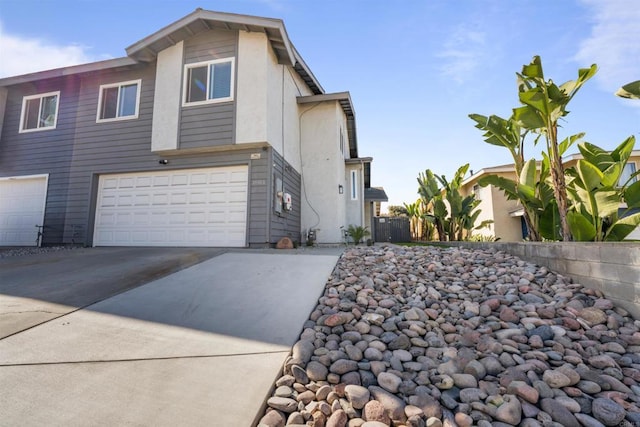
(210, 132)
(507, 215)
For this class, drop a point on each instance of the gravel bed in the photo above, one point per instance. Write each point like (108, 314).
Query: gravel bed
(431, 336)
(22, 251)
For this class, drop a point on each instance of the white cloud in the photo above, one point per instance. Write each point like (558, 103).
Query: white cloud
(462, 54)
(613, 43)
(20, 55)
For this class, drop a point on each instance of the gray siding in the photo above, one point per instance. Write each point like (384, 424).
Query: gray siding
(125, 146)
(79, 150)
(42, 152)
(285, 224)
(212, 124)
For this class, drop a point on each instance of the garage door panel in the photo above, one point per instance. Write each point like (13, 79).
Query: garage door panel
(22, 204)
(195, 207)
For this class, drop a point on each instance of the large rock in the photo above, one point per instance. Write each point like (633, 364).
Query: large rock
(358, 396)
(608, 412)
(559, 413)
(392, 404)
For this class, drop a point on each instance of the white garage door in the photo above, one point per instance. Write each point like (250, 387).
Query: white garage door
(22, 201)
(193, 207)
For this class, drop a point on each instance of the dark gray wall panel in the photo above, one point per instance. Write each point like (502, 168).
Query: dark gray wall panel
(42, 152)
(211, 124)
(286, 224)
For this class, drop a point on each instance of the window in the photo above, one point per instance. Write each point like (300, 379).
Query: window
(119, 101)
(354, 185)
(476, 191)
(629, 169)
(207, 82)
(341, 142)
(39, 112)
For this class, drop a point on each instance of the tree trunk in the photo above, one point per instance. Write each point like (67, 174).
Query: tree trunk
(559, 184)
(534, 236)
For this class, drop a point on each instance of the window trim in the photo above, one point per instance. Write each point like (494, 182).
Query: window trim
(40, 96)
(354, 185)
(137, 82)
(208, 64)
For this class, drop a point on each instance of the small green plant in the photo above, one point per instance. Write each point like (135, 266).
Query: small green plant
(357, 233)
(483, 238)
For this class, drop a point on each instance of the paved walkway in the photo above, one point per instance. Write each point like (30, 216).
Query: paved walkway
(202, 346)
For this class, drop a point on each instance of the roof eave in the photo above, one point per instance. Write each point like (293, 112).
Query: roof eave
(148, 48)
(68, 71)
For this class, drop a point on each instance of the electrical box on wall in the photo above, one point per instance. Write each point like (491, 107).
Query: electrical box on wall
(278, 194)
(286, 202)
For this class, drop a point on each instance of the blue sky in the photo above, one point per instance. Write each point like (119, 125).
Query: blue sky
(415, 69)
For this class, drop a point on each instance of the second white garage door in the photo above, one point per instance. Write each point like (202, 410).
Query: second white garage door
(193, 207)
(22, 201)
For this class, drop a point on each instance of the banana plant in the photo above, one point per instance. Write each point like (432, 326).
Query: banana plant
(509, 134)
(453, 215)
(630, 90)
(597, 194)
(431, 194)
(543, 104)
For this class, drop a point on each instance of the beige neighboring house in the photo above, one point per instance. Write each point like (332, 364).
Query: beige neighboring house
(507, 215)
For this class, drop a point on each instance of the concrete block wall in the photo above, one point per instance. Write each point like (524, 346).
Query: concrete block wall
(613, 268)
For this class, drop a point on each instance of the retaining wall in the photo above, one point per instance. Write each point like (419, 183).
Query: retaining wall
(613, 268)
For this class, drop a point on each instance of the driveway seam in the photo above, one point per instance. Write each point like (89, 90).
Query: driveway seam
(202, 356)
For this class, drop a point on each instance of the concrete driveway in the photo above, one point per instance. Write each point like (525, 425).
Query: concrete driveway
(201, 346)
(37, 288)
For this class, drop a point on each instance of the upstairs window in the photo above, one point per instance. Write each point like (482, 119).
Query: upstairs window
(207, 82)
(39, 112)
(119, 101)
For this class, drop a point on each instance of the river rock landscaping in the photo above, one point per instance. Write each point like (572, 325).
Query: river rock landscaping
(435, 336)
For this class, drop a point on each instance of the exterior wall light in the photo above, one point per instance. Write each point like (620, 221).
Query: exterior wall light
(164, 162)
(340, 189)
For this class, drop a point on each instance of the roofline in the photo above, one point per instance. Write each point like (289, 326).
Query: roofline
(313, 80)
(510, 167)
(231, 18)
(140, 51)
(68, 71)
(484, 171)
(359, 160)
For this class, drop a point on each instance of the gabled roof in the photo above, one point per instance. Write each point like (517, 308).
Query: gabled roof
(201, 20)
(344, 99)
(147, 49)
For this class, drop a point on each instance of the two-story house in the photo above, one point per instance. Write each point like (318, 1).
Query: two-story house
(210, 132)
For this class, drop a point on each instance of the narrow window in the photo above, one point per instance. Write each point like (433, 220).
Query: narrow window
(354, 185)
(341, 142)
(119, 101)
(476, 191)
(629, 169)
(39, 112)
(207, 82)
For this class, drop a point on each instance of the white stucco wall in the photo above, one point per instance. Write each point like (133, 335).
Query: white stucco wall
(166, 101)
(486, 210)
(283, 126)
(251, 88)
(323, 170)
(355, 208)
